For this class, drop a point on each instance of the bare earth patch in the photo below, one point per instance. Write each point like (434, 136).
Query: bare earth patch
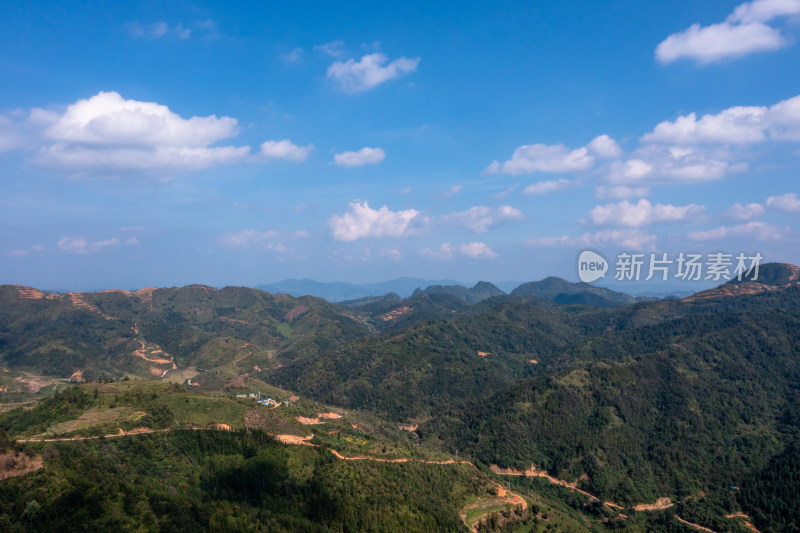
(661, 503)
(14, 464)
(294, 439)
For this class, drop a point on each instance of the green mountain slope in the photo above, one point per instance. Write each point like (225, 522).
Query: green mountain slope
(158, 332)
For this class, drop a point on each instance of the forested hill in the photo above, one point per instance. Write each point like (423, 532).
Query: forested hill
(154, 332)
(666, 398)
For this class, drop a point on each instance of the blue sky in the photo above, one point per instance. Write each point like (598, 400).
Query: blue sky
(199, 142)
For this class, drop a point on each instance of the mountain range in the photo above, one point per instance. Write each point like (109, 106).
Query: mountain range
(619, 401)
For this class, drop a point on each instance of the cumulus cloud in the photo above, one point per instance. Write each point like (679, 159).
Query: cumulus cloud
(740, 125)
(756, 230)
(285, 150)
(474, 250)
(370, 71)
(361, 221)
(480, 218)
(630, 239)
(531, 158)
(605, 147)
(744, 32)
(81, 245)
(640, 214)
(109, 132)
(788, 202)
(365, 156)
(745, 212)
(109, 135)
(653, 163)
(544, 187)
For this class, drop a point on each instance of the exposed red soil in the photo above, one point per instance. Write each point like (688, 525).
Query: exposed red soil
(14, 464)
(400, 311)
(235, 321)
(296, 313)
(696, 526)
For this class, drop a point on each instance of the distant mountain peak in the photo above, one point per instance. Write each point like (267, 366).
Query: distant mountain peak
(561, 291)
(771, 276)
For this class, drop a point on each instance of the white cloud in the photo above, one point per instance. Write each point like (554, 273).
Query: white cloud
(652, 163)
(735, 125)
(155, 30)
(788, 202)
(765, 10)
(479, 218)
(531, 158)
(605, 147)
(547, 186)
(97, 245)
(452, 191)
(392, 253)
(445, 251)
(107, 132)
(640, 214)
(81, 159)
(620, 192)
(504, 193)
(365, 156)
(631, 239)
(756, 230)
(474, 250)
(285, 150)
(477, 250)
(333, 48)
(81, 245)
(369, 72)
(132, 241)
(107, 119)
(361, 222)
(744, 32)
(745, 212)
(295, 56)
(23, 252)
(719, 41)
